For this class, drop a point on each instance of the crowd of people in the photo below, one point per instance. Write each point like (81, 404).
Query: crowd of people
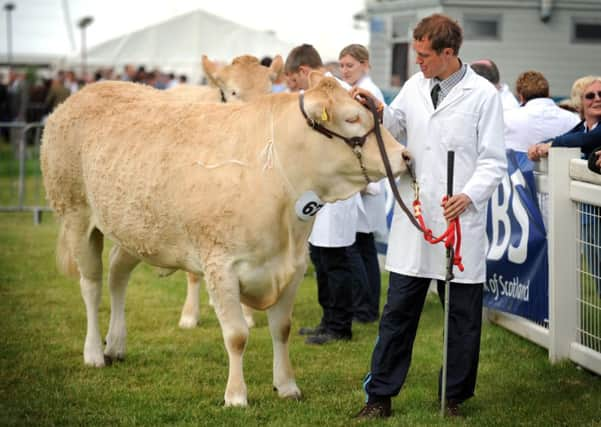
(449, 104)
(30, 95)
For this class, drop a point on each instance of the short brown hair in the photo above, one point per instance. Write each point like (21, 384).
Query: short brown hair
(532, 84)
(304, 54)
(442, 32)
(357, 51)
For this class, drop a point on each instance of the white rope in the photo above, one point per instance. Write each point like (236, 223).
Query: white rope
(270, 155)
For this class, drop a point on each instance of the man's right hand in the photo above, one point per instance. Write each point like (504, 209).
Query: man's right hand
(362, 95)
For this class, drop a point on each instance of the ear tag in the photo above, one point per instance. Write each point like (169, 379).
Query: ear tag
(324, 115)
(307, 205)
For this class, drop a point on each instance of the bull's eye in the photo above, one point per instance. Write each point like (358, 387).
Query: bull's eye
(354, 119)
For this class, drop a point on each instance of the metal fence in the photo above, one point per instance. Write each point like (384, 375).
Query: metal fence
(21, 187)
(571, 202)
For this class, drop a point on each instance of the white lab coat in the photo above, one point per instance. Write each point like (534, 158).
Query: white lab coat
(335, 224)
(372, 203)
(508, 99)
(537, 121)
(469, 120)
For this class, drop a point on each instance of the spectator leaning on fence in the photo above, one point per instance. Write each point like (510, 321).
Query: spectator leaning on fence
(587, 134)
(539, 118)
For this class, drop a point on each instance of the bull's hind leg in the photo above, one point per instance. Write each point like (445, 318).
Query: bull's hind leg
(190, 312)
(121, 265)
(224, 289)
(280, 320)
(85, 244)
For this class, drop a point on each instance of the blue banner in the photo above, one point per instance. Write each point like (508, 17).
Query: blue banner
(517, 265)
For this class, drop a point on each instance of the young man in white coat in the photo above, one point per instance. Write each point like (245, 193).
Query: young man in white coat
(333, 231)
(444, 107)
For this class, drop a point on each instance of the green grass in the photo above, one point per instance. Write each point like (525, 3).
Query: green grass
(9, 177)
(177, 377)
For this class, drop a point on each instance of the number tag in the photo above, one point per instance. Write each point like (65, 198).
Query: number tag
(307, 206)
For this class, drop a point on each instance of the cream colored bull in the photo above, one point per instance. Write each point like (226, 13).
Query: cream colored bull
(244, 79)
(203, 188)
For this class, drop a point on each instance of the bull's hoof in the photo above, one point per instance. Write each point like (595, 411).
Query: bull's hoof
(290, 391)
(236, 401)
(110, 358)
(188, 322)
(94, 361)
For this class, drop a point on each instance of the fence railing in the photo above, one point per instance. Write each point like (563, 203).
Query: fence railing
(570, 197)
(21, 187)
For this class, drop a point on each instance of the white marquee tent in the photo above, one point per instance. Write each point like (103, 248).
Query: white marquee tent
(176, 45)
(46, 32)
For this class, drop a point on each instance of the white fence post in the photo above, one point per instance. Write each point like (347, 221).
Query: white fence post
(563, 231)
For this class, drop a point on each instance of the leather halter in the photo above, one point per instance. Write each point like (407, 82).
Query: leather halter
(355, 143)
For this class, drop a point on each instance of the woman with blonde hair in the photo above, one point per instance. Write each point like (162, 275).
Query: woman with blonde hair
(586, 98)
(354, 68)
(371, 220)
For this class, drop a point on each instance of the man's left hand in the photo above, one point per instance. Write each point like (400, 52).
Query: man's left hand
(456, 205)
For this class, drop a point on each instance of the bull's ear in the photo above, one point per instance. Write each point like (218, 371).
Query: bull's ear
(210, 69)
(314, 78)
(318, 109)
(276, 68)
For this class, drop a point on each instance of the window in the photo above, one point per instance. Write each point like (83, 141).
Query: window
(482, 27)
(586, 31)
(400, 59)
(401, 27)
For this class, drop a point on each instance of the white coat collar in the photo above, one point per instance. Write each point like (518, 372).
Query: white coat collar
(466, 84)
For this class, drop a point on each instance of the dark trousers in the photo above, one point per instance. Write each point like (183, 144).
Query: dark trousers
(367, 283)
(334, 288)
(392, 354)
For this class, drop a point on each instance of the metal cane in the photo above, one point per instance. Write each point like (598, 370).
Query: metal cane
(447, 290)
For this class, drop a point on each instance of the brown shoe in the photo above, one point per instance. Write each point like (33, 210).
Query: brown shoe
(375, 410)
(452, 409)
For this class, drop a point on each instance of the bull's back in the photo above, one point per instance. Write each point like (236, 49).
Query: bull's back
(142, 163)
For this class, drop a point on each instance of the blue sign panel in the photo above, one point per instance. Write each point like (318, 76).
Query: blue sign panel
(517, 265)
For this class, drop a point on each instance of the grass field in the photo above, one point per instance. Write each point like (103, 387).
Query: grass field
(177, 377)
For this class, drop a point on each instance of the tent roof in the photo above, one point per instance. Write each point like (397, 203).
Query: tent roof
(178, 43)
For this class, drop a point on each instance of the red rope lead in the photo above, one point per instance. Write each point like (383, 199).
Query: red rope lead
(451, 236)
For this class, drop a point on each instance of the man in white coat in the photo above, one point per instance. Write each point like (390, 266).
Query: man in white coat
(333, 231)
(444, 107)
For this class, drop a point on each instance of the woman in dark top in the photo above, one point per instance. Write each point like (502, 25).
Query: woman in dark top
(587, 134)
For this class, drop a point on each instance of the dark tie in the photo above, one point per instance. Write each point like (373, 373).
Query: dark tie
(434, 94)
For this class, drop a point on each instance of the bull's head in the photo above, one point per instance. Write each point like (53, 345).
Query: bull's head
(244, 79)
(340, 169)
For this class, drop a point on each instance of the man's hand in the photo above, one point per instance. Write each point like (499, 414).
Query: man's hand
(598, 162)
(361, 95)
(456, 205)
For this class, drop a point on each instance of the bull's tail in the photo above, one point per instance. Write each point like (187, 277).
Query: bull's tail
(65, 259)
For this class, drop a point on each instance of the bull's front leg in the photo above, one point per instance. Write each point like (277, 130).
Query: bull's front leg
(224, 289)
(280, 320)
